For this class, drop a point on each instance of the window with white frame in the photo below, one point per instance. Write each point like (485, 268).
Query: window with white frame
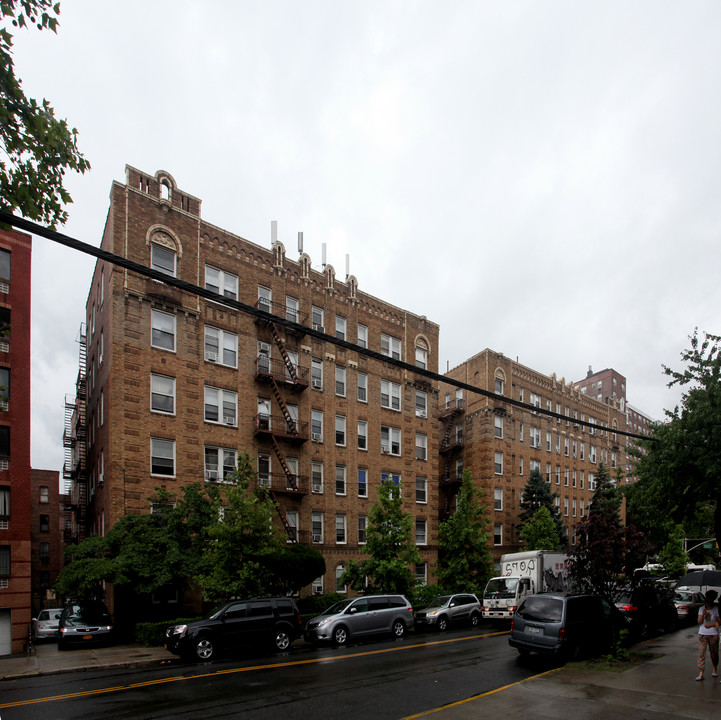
(292, 308)
(534, 436)
(316, 527)
(421, 489)
(317, 318)
(221, 347)
(340, 587)
(498, 534)
(291, 517)
(264, 470)
(390, 440)
(340, 430)
(162, 335)
(582, 450)
(341, 325)
(162, 456)
(265, 298)
(520, 465)
(316, 373)
(219, 463)
(421, 574)
(340, 484)
(565, 507)
(520, 432)
(558, 444)
(421, 531)
(573, 507)
(316, 425)
(421, 446)
(221, 406)
(390, 346)
(340, 381)
(363, 482)
(549, 440)
(340, 529)
(390, 395)
(558, 474)
(498, 427)
(566, 474)
(362, 387)
(316, 470)
(163, 259)
(498, 498)
(498, 463)
(362, 529)
(362, 335)
(221, 282)
(498, 386)
(566, 443)
(592, 453)
(421, 404)
(421, 357)
(162, 394)
(362, 434)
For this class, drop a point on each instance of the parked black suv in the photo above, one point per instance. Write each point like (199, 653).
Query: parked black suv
(649, 609)
(235, 625)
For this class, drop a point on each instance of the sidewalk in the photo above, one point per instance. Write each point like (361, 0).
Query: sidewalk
(661, 688)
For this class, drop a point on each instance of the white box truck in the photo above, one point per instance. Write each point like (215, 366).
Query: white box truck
(522, 574)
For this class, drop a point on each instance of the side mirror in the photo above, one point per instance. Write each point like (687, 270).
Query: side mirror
(352, 611)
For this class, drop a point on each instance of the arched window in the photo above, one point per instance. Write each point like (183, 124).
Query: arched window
(421, 352)
(499, 385)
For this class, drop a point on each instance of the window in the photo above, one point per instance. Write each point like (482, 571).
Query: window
(4, 561)
(362, 335)
(498, 427)
(264, 470)
(339, 572)
(162, 259)
(362, 529)
(316, 373)
(316, 425)
(340, 479)
(421, 404)
(265, 299)
(390, 395)
(534, 437)
(44, 523)
(5, 502)
(162, 394)
(565, 446)
(549, 441)
(163, 330)
(362, 387)
(317, 527)
(558, 474)
(340, 327)
(44, 495)
(565, 506)
(221, 282)
(390, 440)
(421, 490)
(317, 477)
(558, 444)
(421, 357)
(421, 531)
(498, 498)
(44, 552)
(592, 453)
(362, 434)
(421, 574)
(221, 347)
(565, 476)
(316, 314)
(5, 265)
(219, 462)
(292, 307)
(389, 477)
(521, 394)
(421, 446)
(220, 406)
(340, 381)
(291, 517)
(520, 465)
(582, 450)
(498, 386)
(390, 346)
(498, 534)
(573, 507)
(340, 430)
(340, 529)
(362, 482)
(498, 463)
(162, 457)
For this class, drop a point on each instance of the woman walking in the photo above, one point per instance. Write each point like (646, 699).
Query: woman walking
(708, 629)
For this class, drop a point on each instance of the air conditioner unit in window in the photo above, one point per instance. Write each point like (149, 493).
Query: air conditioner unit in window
(211, 475)
(211, 357)
(317, 437)
(384, 449)
(317, 538)
(318, 327)
(229, 420)
(318, 384)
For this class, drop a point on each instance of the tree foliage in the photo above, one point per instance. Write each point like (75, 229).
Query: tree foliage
(672, 556)
(540, 532)
(679, 467)
(36, 148)
(537, 494)
(464, 559)
(390, 546)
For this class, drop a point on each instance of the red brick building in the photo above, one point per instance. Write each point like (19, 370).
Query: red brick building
(15, 550)
(176, 385)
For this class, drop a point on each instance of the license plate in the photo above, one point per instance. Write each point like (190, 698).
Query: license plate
(87, 637)
(533, 630)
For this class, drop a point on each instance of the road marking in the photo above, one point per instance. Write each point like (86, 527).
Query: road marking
(476, 697)
(292, 663)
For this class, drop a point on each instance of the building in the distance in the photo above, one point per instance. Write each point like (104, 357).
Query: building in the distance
(523, 420)
(15, 549)
(172, 386)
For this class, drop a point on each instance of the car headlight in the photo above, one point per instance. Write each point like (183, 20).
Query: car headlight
(324, 622)
(179, 629)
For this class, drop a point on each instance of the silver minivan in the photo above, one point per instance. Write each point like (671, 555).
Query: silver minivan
(361, 617)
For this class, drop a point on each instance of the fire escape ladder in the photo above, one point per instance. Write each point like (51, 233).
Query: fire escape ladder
(281, 346)
(290, 478)
(449, 428)
(288, 529)
(290, 423)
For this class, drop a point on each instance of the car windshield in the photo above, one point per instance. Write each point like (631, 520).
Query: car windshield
(501, 587)
(543, 609)
(440, 601)
(337, 607)
(91, 613)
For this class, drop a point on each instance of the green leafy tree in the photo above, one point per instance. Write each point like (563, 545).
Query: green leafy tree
(537, 494)
(679, 465)
(540, 532)
(36, 148)
(294, 567)
(390, 546)
(464, 559)
(673, 556)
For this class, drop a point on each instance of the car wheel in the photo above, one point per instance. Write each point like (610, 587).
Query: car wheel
(399, 629)
(442, 623)
(204, 649)
(282, 639)
(340, 635)
(475, 620)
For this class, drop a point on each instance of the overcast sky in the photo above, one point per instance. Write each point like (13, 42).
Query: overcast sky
(539, 178)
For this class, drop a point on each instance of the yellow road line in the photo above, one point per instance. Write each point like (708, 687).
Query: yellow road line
(292, 663)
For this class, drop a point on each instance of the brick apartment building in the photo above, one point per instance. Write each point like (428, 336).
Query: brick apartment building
(15, 265)
(501, 442)
(172, 385)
